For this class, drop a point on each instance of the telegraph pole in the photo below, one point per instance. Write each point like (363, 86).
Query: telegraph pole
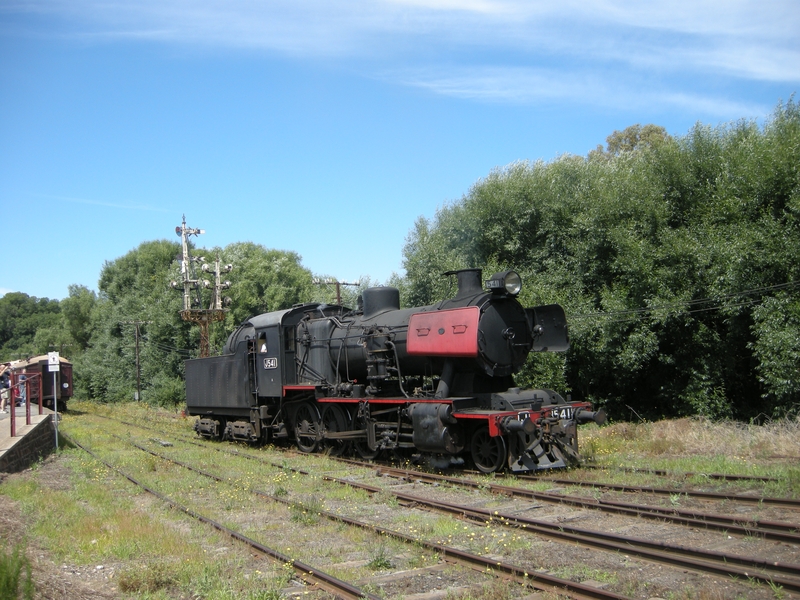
(138, 368)
(338, 285)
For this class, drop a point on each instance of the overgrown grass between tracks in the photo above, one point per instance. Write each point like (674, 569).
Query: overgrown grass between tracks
(158, 552)
(700, 446)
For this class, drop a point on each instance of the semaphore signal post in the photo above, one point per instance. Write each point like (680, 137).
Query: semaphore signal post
(192, 300)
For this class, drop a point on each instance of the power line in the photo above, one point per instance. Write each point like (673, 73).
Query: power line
(166, 348)
(718, 304)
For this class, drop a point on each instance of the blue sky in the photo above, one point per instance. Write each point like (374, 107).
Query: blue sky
(328, 128)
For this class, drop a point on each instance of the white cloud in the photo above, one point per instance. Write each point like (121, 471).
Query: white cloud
(695, 103)
(501, 84)
(479, 6)
(739, 39)
(524, 85)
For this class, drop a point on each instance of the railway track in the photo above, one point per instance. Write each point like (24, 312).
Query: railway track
(772, 573)
(689, 493)
(767, 572)
(537, 581)
(772, 530)
(683, 474)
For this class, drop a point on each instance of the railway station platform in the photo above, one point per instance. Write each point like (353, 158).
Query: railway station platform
(31, 441)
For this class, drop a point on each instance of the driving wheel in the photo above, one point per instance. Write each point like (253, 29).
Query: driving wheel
(334, 420)
(306, 427)
(360, 446)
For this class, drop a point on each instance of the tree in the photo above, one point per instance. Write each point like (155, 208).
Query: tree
(20, 317)
(635, 137)
(134, 294)
(667, 253)
(776, 345)
(77, 312)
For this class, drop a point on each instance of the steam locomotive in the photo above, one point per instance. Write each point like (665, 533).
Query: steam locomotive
(434, 381)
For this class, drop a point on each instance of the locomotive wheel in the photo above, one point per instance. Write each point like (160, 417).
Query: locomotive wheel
(360, 446)
(306, 427)
(334, 420)
(488, 453)
(363, 450)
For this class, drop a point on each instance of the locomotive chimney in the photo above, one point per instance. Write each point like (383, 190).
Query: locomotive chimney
(469, 282)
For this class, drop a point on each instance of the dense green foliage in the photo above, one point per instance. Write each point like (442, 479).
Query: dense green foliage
(21, 316)
(677, 260)
(262, 280)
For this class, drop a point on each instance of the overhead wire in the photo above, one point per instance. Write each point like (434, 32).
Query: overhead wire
(167, 348)
(684, 307)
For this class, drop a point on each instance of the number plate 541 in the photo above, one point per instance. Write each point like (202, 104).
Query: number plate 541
(562, 413)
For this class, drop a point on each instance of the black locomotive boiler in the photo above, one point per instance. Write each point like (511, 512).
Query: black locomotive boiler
(435, 380)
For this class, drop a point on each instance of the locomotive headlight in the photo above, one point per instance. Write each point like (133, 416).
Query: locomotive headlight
(508, 282)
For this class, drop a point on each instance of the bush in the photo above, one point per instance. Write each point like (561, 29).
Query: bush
(165, 391)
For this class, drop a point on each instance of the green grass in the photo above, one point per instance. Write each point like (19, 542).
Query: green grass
(104, 519)
(307, 512)
(581, 573)
(380, 557)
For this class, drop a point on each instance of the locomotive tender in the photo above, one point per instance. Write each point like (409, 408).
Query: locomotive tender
(434, 380)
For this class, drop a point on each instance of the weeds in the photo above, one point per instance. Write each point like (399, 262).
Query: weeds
(308, 512)
(11, 575)
(777, 590)
(584, 573)
(265, 595)
(152, 578)
(380, 558)
(700, 445)
(387, 498)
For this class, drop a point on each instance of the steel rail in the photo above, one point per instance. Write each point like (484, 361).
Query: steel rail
(538, 581)
(306, 572)
(688, 558)
(682, 474)
(785, 502)
(773, 530)
(778, 531)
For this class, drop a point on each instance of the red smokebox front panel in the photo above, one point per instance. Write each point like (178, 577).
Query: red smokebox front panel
(444, 333)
